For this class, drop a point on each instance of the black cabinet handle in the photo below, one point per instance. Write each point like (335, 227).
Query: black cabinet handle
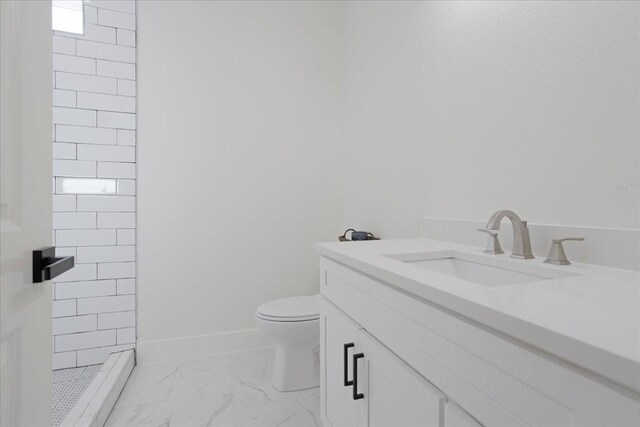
(356, 395)
(347, 382)
(46, 266)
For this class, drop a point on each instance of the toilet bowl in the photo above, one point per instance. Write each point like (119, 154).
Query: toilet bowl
(294, 324)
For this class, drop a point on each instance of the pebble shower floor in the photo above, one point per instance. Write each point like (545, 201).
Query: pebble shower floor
(68, 386)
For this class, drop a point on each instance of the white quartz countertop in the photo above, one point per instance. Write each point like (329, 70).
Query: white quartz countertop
(591, 319)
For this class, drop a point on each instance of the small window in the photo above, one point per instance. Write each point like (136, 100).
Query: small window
(67, 15)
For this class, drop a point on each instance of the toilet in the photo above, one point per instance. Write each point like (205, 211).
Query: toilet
(294, 324)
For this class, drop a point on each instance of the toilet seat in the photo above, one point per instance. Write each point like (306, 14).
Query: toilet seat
(293, 309)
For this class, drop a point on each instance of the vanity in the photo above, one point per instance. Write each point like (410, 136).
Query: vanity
(418, 332)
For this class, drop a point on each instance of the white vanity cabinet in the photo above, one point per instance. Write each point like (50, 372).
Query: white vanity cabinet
(454, 416)
(338, 336)
(364, 384)
(421, 365)
(393, 394)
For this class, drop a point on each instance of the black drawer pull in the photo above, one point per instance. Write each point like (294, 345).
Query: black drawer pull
(46, 266)
(356, 395)
(347, 382)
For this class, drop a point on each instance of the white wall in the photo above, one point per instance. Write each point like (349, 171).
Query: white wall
(458, 109)
(94, 145)
(254, 116)
(238, 139)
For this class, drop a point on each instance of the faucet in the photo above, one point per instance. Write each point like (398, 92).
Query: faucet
(521, 242)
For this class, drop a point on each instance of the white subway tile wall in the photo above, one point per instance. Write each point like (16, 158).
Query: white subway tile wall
(94, 171)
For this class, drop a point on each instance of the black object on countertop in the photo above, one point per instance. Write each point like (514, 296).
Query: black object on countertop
(357, 236)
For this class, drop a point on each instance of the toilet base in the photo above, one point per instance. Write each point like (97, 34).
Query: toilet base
(295, 368)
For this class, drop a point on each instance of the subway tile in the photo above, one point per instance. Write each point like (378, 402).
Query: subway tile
(126, 137)
(117, 270)
(73, 116)
(65, 251)
(78, 168)
(108, 153)
(73, 220)
(85, 135)
(85, 289)
(98, 33)
(74, 64)
(116, 220)
(80, 272)
(126, 237)
(90, 14)
(116, 69)
(126, 87)
(123, 319)
(64, 98)
(86, 83)
(111, 52)
(101, 101)
(113, 18)
(126, 37)
(64, 360)
(94, 356)
(126, 6)
(106, 203)
(106, 254)
(107, 119)
(126, 286)
(106, 304)
(85, 186)
(64, 203)
(126, 336)
(64, 151)
(95, 73)
(66, 45)
(116, 170)
(127, 187)
(74, 324)
(85, 340)
(85, 237)
(64, 308)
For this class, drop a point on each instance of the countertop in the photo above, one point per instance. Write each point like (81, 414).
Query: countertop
(591, 319)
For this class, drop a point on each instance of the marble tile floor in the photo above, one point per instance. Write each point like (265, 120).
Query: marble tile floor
(225, 390)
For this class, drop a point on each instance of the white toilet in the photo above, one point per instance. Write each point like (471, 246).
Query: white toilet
(294, 324)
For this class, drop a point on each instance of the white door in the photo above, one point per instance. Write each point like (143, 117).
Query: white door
(25, 211)
(338, 343)
(393, 393)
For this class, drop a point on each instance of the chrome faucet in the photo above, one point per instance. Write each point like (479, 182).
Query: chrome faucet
(521, 241)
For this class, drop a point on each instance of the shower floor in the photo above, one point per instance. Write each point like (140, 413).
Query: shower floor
(68, 386)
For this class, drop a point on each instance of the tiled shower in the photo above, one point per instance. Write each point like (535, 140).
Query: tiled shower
(94, 173)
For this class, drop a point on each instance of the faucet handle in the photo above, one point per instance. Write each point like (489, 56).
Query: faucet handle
(557, 254)
(493, 247)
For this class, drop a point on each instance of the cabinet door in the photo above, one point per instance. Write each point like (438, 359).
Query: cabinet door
(394, 394)
(454, 416)
(337, 330)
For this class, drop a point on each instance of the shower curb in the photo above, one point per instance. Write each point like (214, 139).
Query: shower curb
(95, 404)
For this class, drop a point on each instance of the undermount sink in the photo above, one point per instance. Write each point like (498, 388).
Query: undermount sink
(478, 268)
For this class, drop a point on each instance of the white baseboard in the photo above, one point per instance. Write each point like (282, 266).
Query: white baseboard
(200, 345)
(608, 247)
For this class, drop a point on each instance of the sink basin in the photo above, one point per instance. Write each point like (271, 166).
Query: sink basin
(478, 268)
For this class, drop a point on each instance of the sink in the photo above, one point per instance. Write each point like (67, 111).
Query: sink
(480, 269)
